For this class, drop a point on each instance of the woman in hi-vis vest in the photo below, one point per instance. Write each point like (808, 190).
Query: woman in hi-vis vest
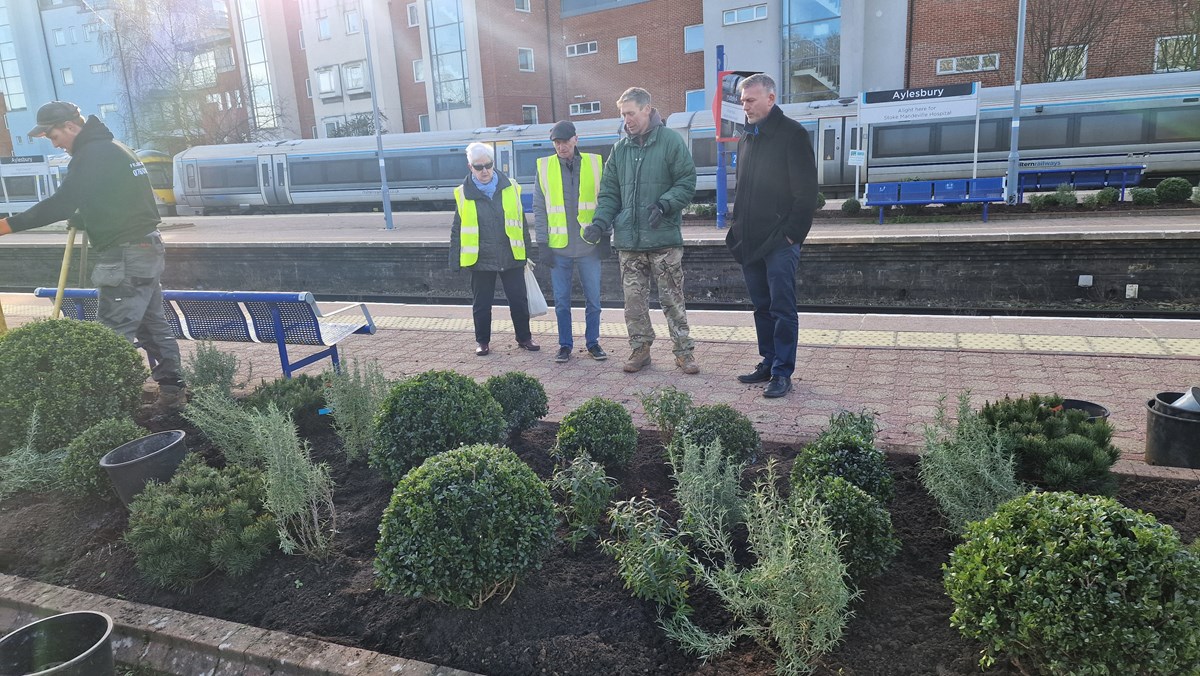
(490, 239)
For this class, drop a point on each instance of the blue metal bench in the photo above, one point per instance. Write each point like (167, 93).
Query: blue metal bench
(1119, 177)
(953, 191)
(245, 317)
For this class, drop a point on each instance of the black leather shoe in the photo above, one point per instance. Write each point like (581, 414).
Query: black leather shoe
(761, 374)
(779, 386)
(528, 345)
(564, 354)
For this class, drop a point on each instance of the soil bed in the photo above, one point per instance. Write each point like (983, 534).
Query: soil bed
(571, 617)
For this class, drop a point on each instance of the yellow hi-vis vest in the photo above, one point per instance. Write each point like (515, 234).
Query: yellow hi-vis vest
(549, 171)
(468, 233)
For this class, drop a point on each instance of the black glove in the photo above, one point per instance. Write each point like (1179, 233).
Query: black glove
(594, 231)
(654, 215)
(547, 258)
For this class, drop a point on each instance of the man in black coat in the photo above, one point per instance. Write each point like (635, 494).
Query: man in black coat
(773, 210)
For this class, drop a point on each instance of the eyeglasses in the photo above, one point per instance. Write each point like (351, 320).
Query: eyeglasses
(483, 167)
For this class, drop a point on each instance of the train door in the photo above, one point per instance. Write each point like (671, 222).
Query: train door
(273, 180)
(504, 158)
(830, 157)
(187, 184)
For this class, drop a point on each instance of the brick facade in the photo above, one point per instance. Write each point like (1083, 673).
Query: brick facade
(306, 118)
(952, 28)
(413, 100)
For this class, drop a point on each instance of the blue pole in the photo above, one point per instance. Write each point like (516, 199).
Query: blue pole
(722, 187)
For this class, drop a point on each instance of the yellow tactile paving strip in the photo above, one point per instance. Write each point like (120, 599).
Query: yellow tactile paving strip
(1001, 342)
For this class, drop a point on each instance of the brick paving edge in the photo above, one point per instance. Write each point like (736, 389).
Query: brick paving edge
(183, 643)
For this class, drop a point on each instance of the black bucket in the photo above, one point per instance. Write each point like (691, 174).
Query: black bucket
(1094, 411)
(71, 644)
(156, 457)
(1164, 402)
(1170, 440)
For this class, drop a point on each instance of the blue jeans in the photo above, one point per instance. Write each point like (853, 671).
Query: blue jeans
(589, 279)
(772, 286)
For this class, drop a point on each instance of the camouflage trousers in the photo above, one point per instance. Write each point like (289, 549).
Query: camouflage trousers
(666, 268)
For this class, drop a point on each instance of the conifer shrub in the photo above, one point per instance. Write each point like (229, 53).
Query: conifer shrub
(706, 424)
(862, 524)
(1144, 197)
(74, 373)
(586, 494)
(521, 397)
(601, 429)
(204, 521)
(431, 413)
(81, 472)
(209, 367)
(1056, 449)
(820, 200)
(846, 449)
(302, 396)
(667, 407)
(1065, 195)
(463, 526)
(355, 394)
(1070, 584)
(1173, 190)
(1107, 196)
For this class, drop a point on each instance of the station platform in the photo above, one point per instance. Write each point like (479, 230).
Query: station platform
(898, 366)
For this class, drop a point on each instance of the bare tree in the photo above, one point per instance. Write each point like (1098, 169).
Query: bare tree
(1180, 51)
(1059, 33)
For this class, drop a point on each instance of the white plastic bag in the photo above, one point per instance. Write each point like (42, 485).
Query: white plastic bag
(533, 292)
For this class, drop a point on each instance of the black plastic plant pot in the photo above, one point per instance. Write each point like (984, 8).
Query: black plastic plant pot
(1170, 440)
(1094, 411)
(1164, 402)
(156, 457)
(71, 644)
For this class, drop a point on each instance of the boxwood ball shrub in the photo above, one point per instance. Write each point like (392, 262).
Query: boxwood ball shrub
(463, 526)
(74, 374)
(1107, 196)
(1173, 189)
(303, 396)
(205, 520)
(704, 424)
(81, 471)
(601, 429)
(869, 541)
(849, 456)
(1071, 584)
(851, 207)
(431, 413)
(1144, 197)
(521, 397)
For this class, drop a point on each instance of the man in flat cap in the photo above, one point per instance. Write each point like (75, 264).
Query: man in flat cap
(563, 203)
(107, 193)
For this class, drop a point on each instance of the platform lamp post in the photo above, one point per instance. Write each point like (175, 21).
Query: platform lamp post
(1014, 154)
(387, 197)
(722, 184)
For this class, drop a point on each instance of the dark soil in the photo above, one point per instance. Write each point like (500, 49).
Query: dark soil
(571, 617)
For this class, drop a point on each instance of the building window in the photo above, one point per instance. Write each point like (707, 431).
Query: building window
(744, 14)
(67, 76)
(353, 24)
(301, 37)
(90, 29)
(1176, 53)
(60, 37)
(1067, 63)
(525, 59)
(693, 38)
(354, 76)
(327, 81)
(314, 131)
(529, 115)
(449, 67)
(73, 34)
(331, 124)
(419, 70)
(323, 32)
(581, 48)
(523, 6)
(694, 100)
(968, 64)
(627, 49)
(100, 68)
(589, 108)
(423, 122)
(412, 15)
(308, 87)
(106, 109)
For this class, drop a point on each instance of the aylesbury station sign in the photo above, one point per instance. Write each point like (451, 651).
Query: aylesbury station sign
(922, 103)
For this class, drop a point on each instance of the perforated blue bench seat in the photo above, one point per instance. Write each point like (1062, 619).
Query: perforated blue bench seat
(1119, 177)
(952, 191)
(245, 317)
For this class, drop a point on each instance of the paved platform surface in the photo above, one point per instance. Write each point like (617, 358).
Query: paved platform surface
(895, 365)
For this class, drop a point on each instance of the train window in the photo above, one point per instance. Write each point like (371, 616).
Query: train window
(704, 152)
(1045, 132)
(239, 176)
(601, 149)
(306, 172)
(191, 176)
(903, 141)
(829, 146)
(1104, 129)
(526, 161)
(414, 168)
(1176, 125)
(452, 167)
(959, 137)
(160, 175)
(342, 171)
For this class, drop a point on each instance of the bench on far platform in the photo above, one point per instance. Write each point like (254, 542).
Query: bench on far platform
(245, 317)
(949, 191)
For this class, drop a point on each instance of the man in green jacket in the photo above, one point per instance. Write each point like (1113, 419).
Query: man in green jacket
(648, 180)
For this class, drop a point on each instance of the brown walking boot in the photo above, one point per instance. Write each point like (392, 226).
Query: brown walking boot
(687, 363)
(639, 360)
(171, 398)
